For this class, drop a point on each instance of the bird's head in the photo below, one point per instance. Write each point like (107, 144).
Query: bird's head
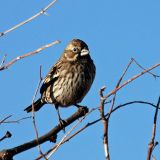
(76, 49)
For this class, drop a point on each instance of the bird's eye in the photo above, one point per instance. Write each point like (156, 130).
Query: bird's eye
(74, 50)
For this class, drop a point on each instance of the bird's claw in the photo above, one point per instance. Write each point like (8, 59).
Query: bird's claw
(62, 124)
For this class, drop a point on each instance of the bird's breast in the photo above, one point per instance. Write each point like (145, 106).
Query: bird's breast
(72, 84)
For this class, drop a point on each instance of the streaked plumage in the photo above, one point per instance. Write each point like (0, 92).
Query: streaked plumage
(69, 80)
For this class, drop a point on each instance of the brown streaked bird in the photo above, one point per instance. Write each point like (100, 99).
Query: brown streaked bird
(69, 80)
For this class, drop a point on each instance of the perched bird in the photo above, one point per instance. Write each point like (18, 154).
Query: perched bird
(69, 80)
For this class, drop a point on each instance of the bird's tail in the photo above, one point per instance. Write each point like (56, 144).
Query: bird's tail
(37, 105)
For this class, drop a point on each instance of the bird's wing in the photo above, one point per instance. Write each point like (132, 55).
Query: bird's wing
(50, 78)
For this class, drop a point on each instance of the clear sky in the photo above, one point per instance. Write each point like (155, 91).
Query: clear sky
(115, 31)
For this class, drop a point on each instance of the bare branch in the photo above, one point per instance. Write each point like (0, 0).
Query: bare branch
(130, 80)
(105, 124)
(16, 121)
(70, 137)
(7, 135)
(33, 114)
(3, 60)
(118, 84)
(64, 139)
(152, 144)
(106, 120)
(154, 75)
(28, 54)
(50, 136)
(3, 120)
(115, 109)
(43, 11)
(98, 120)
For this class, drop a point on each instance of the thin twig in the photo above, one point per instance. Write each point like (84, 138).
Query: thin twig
(102, 101)
(118, 84)
(125, 71)
(3, 120)
(18, 120)
(154, 75)
(106, 120)
(105, 124)
(152, 144)
(33, 114)
(115, 109)
(7, 135)
(3, 60)
(130, 80)
(43, 11)
(28, 54)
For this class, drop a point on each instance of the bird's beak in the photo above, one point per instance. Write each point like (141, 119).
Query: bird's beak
(84, 52)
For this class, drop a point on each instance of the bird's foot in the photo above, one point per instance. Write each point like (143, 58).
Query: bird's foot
(62, 124)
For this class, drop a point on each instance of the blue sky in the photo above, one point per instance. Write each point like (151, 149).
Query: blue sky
(115, 31)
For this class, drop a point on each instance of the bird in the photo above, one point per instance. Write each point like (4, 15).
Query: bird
(68, 80)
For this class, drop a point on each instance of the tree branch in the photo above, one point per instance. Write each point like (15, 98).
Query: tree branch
(33, 114)
(3, 120)
(67, 138)
(43, 11)
(3, 60)
(89, 124)
(50, 136)
(7, 135)
(28, 54)
(130, 80)
(106, 120)
(152, 144)
(15, 121)
(105, 124)
(154, 75)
